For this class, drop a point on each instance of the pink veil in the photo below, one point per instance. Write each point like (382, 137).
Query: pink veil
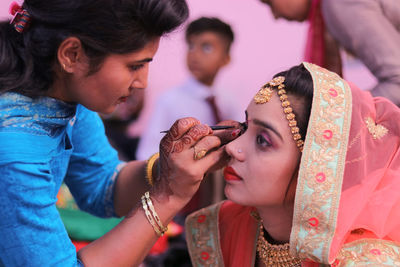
(349, 175)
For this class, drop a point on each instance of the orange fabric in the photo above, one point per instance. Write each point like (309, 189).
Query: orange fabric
(237, 232)
(359, 234)
(80, 244)
(160, 246)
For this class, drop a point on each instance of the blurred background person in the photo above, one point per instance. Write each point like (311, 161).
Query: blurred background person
(373, 37)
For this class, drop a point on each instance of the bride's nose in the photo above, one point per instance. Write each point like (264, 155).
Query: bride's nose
(235, 150)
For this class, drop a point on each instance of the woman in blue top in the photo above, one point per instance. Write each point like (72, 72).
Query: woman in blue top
(60, 63)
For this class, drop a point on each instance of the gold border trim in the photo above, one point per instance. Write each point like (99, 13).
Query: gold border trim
(307, 242)
(206, 238)
(370, 251)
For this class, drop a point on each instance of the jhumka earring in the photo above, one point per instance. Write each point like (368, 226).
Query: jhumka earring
(265, 94)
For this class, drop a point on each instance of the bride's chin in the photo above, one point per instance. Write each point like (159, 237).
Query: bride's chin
(227, 192)
(232, 195)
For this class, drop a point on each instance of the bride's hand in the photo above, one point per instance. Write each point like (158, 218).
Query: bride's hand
(187, 151)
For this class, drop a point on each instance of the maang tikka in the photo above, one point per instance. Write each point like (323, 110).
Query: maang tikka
(265, 94)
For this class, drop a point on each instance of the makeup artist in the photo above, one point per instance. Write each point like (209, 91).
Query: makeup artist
(60, 63)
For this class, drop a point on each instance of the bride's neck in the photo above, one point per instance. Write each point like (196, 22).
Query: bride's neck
(277, 222)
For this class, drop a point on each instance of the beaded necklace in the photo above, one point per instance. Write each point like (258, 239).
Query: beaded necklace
(275, 255)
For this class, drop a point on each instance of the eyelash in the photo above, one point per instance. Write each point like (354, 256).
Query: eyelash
(260, 139)
(137, 67)
(244, 127)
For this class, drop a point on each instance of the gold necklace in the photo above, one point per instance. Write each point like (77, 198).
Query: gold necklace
(275, 255)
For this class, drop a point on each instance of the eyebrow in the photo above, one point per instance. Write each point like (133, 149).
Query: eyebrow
(264, 124)
(268, 126)
(145, 60)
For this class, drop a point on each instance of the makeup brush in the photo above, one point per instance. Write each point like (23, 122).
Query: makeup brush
(218, 127)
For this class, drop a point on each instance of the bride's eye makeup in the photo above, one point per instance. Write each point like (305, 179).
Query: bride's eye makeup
(244, 125)
(265, 130)
(263, 137)
(263, 140)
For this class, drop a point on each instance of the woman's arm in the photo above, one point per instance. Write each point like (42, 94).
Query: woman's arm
(130, 186)
(130, 241)
(179, 177)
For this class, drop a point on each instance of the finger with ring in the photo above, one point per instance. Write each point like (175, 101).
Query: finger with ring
(199, 154)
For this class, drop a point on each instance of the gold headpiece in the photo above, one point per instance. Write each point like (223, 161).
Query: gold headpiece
(265, 94)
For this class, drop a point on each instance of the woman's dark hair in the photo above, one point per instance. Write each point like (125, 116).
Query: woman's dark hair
(299, 83)
(104, 27)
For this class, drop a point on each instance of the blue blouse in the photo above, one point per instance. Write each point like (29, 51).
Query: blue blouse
(44, 142)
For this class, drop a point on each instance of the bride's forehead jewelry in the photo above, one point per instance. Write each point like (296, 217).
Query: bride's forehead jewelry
(264, 95)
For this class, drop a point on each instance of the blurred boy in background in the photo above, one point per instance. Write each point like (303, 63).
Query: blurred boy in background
(209, 41)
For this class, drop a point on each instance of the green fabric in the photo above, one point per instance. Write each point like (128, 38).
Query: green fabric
(84, 226)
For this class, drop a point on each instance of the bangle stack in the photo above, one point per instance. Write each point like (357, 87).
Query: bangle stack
(149, 168)
(152, 215)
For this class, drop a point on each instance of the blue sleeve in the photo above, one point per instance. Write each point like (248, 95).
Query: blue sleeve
(31, 231)
(94, 165)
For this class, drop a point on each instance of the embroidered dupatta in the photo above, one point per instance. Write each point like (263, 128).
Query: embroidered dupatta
(347, 204)
(349, 174)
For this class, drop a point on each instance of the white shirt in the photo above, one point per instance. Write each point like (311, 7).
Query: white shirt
(187, 100)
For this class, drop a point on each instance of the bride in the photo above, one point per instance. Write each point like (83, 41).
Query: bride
(315, 178)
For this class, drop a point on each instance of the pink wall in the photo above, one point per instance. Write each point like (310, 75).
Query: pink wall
(262, 47)
(257, 53)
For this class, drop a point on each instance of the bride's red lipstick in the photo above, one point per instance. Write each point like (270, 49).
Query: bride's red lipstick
(231, 175)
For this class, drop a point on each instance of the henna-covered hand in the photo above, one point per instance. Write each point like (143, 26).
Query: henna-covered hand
(180, 174)
(226, 136)
(231, 134)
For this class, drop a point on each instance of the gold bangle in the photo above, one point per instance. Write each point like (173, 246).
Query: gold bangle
(149, 168)
(149, 217)
(154, 213)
